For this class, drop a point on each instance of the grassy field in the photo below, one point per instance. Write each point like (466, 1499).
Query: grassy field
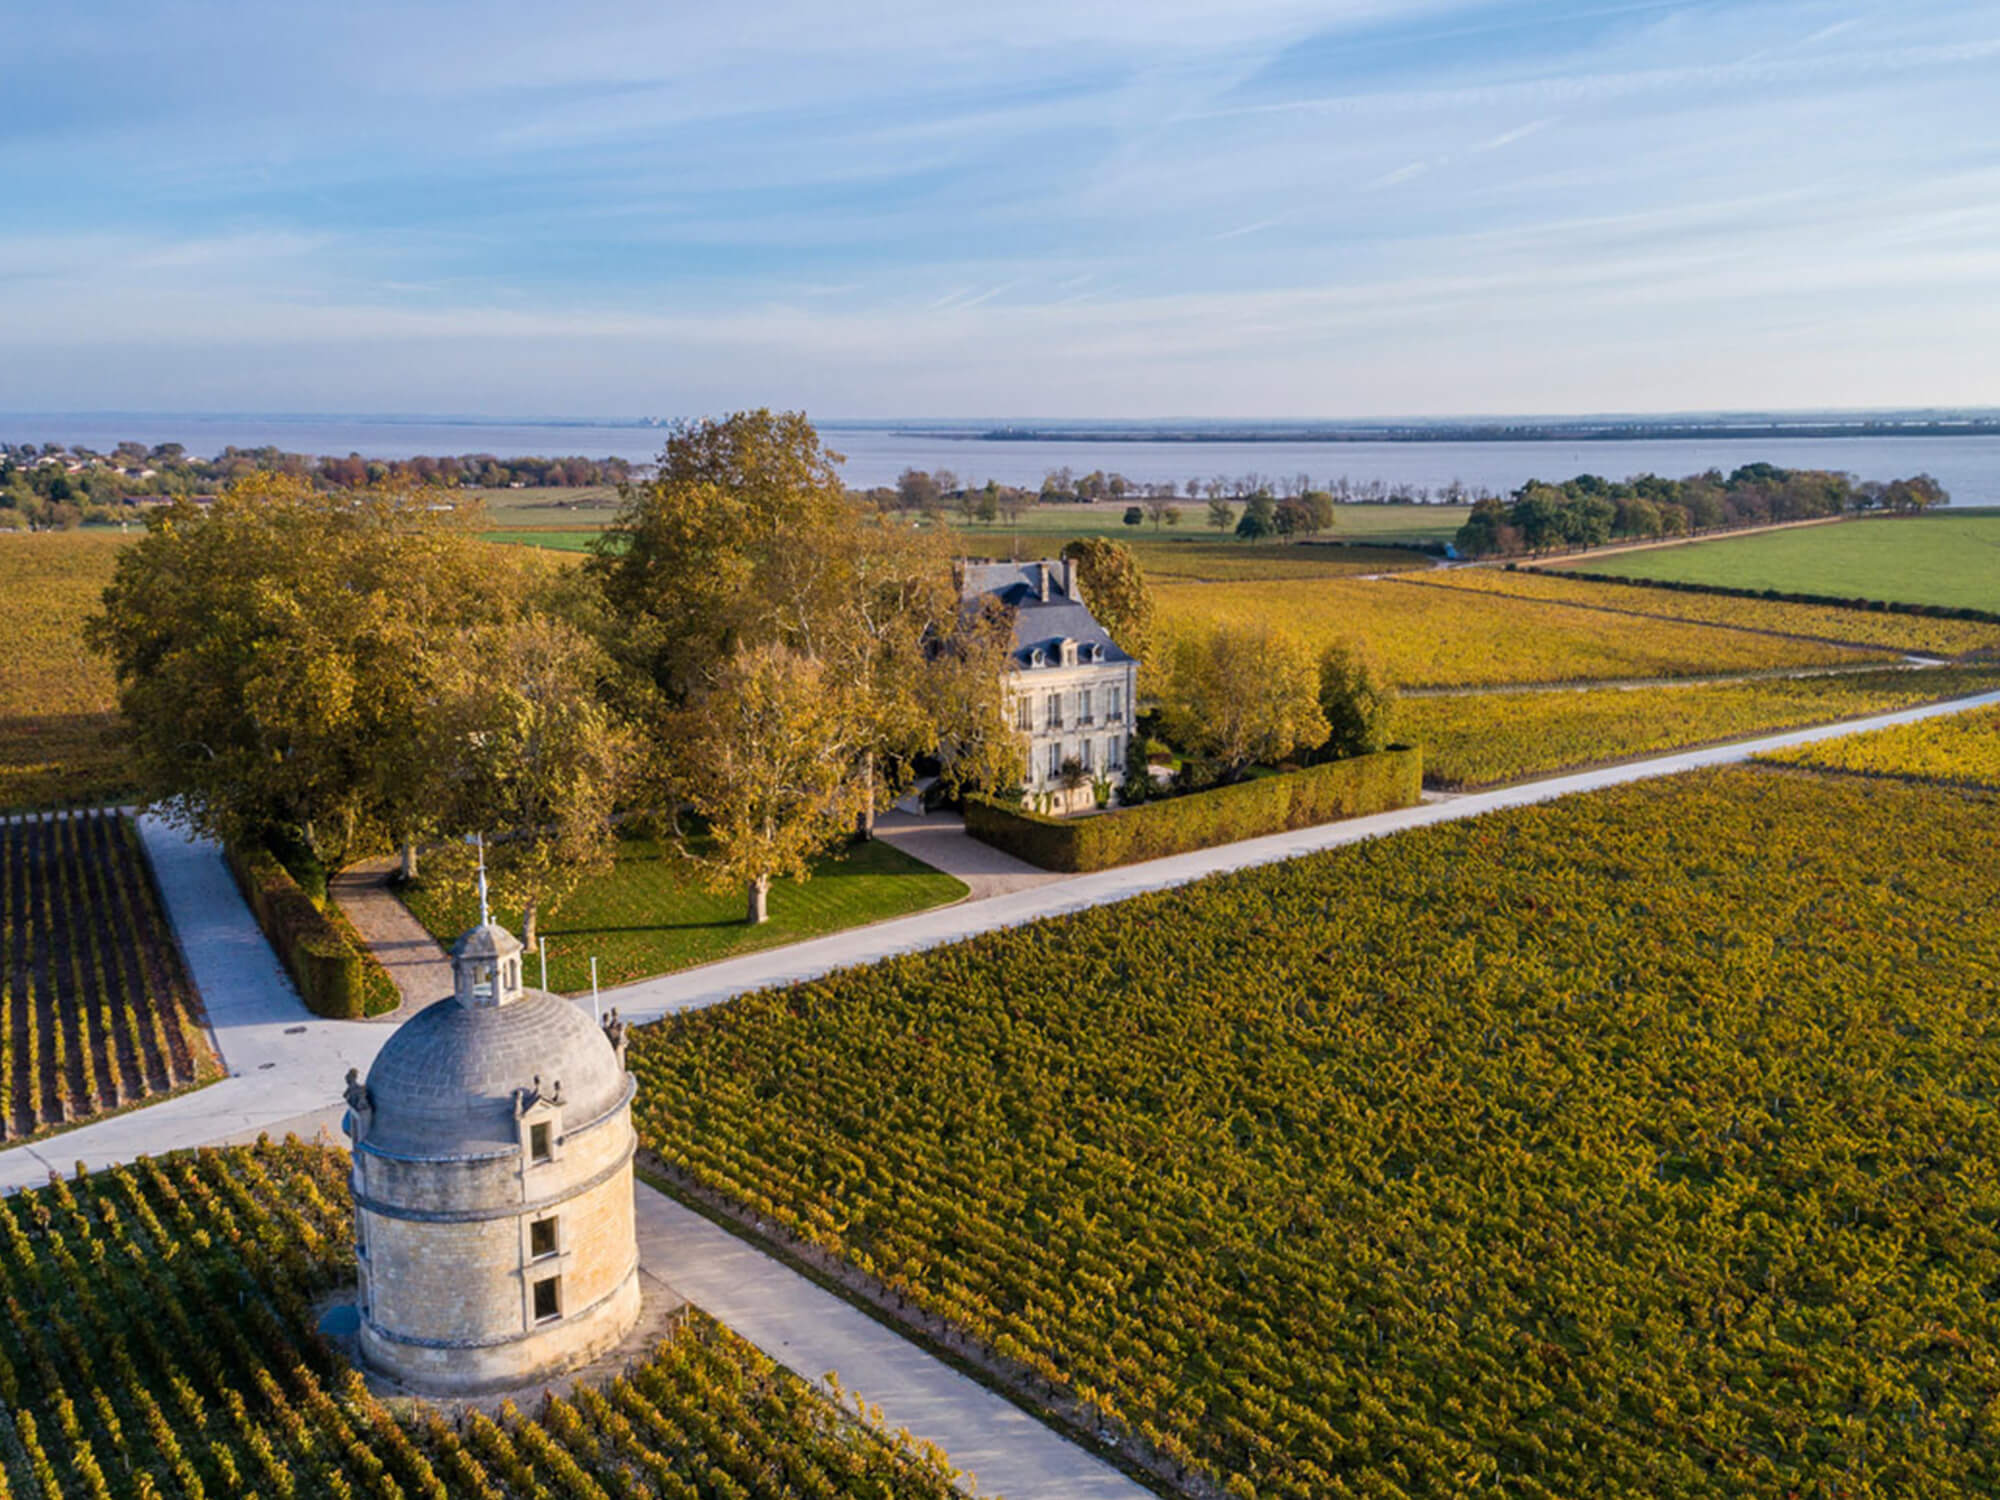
(650, 915)
(588, 508)
(1961, 750)
(1441, 637)
(1487, 739)
(1937, 559)
(58, 703)
(162, 1340)
(96, 1012)
(1634, 1144)
(1864, 627)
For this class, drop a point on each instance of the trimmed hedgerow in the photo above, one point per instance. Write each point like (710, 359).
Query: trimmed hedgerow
(1200, 820)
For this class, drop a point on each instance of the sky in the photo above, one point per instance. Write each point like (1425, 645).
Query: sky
(1127, 208)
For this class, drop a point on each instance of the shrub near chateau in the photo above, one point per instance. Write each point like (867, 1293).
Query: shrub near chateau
(1638, 1144)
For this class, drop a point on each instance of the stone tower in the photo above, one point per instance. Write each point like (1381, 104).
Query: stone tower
(492, 1177)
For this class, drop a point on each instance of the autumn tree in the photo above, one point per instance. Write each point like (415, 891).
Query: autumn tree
(1113, 584)
(766, 760)
(536, 762)
(1242, 693)
(746, 540)
(279, 653)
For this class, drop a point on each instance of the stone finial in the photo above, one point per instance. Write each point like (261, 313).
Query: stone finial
(527, 1098)
(614, 1033)
(360, 1105)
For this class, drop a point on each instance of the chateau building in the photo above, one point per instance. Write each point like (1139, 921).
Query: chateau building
(1072, 693)
(492, 1176)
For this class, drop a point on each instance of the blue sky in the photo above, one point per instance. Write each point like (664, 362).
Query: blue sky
(1117, 209)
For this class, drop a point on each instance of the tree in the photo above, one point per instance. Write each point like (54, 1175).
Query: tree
(765, 756)
(537, 762)
(1173, 515)
(1159, 506)
(279, 655)
(1916, 494)
(1259, 518)
(1357, 704)
(1113, 584)
(917, 490)
(1220, 514)
(1243, 692)
(748, 539)
(1134, 515)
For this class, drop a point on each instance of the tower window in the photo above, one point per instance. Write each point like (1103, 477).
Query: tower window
(542, 1238)
(538, 1141)
(548, 1298)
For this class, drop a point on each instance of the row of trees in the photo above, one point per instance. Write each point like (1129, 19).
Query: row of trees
(1589, 510)
(936, 491)
(49, 485)
(355, 668)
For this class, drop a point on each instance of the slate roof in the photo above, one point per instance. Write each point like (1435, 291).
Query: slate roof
(1039, 623)
(443, 1085)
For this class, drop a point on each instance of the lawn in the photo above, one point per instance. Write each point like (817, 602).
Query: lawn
(1940, 559)
(650, 915)
(58, 702)
(553, 539)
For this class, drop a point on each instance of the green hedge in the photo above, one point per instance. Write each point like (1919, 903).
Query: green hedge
(332, 974)
(1200, 820)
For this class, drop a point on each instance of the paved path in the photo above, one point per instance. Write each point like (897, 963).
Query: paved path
(650, 999)
(421, 969)
(940, 841)
(812, 1332)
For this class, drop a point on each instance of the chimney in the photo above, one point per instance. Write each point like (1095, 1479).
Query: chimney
(1069, 578)
(1042, 568)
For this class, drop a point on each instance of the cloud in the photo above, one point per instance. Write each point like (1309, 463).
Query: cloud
(908, 207)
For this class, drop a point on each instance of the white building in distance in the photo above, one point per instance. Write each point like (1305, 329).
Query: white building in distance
(1072, 693)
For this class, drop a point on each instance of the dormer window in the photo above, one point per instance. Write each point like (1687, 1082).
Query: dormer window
(1069, 653)
(539, 1148)
(1040, 657)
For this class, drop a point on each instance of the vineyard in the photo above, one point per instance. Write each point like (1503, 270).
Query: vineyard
(158, 1338)
(1962, 749)
(1638, 1144)
(96, 1012)
(1894, 632)
(1443, 637)
(1485, 739)
(58, 704)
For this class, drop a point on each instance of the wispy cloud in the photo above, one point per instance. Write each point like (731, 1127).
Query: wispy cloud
(1366, 205)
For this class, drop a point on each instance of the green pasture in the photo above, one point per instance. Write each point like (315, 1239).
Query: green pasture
(1937, 559)
(651, 915)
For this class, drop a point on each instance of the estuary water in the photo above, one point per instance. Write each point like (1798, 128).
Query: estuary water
(1968, 467)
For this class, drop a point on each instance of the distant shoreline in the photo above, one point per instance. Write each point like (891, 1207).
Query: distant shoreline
(1525, 433)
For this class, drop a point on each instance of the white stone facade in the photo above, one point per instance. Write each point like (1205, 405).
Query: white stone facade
(492, 1178)
(1072, 692)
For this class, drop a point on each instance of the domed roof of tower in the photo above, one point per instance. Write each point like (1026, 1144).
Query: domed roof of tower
(451, 1081)
(456, 1077)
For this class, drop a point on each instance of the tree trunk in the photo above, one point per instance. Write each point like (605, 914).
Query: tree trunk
(760, 890)
(864, 820)
(528, 926)
(409, 859)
